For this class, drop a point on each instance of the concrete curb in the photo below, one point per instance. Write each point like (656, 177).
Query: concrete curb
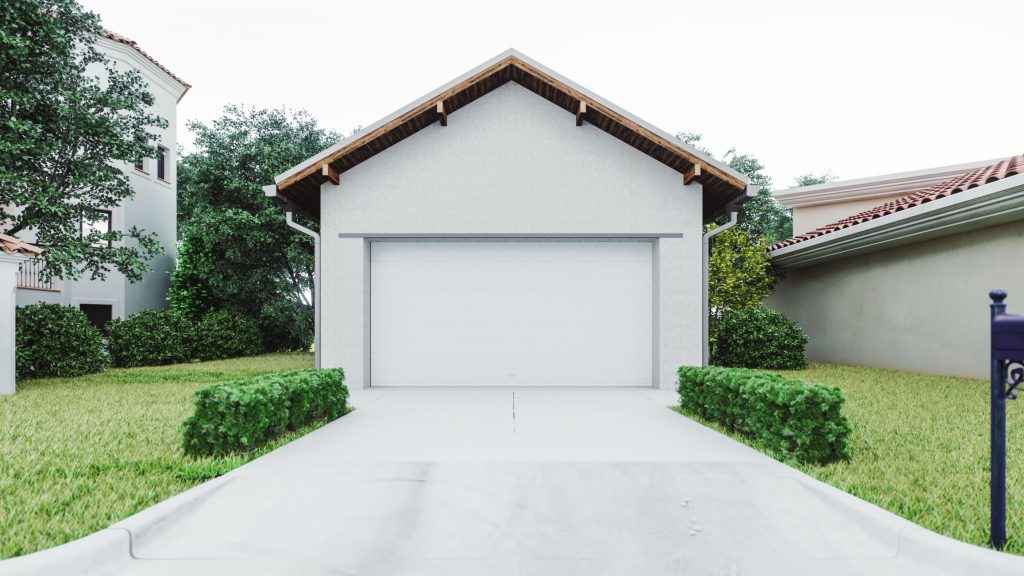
(96, 553)
(101, 552)
(921, 545)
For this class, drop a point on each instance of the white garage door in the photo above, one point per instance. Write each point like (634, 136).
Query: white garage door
(511, 313)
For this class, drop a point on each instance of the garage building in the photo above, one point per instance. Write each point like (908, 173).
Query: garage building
(510, 229)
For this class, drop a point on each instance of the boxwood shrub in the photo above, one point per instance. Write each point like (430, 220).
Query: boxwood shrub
(224, 334)
(799, 419)
(757, 337)
(55, 340)
(241, 415)
(150, 338)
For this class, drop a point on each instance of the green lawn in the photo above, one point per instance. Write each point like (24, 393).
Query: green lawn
(920, 449)
(78, 454)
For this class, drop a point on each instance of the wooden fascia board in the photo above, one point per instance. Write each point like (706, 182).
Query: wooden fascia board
(431, 103)
(615, 116)
(369, 136)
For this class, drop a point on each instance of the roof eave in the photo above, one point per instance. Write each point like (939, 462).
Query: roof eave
(986, 205)
(882, 186)
(305, 169)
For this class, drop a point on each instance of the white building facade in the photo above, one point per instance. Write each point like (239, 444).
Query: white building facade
(153, 208)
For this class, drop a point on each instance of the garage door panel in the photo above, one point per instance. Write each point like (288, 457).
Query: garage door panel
(611, 285)
(511, 313)
(540, 329)
(455, 370)
(401, 302)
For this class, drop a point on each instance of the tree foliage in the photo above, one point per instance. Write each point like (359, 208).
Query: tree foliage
(738, 271)
(811, 179)
(70, 121)
(236, 251)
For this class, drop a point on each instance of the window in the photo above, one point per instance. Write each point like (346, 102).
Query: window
(141, 138)
(161, 163)
(101, 225)
(99, 315)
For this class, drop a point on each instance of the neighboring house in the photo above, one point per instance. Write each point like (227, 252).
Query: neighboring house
(153, 209)
(13, 254)
(905, 283)
(510, 228)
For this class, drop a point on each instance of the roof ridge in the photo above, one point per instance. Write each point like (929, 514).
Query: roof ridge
(1004, 168)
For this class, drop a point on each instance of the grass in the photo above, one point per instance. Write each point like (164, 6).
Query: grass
(78, 454)
(920, 449)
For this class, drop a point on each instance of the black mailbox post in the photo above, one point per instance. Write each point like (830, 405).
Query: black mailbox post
(1007, 376)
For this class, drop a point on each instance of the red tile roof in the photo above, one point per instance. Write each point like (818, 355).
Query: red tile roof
(1002, 169)
(11, 245)
(133, 44)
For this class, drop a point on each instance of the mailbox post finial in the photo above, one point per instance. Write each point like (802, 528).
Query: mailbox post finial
(998, 296)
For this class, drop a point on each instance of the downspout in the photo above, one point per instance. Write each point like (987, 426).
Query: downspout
(316, 277)
(706, 240)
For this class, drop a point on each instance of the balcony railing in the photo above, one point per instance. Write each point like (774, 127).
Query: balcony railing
(29, 279)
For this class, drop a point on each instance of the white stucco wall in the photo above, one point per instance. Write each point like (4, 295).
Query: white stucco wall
(510, 162)
(153, 208)
(9, 265)
(921, 307)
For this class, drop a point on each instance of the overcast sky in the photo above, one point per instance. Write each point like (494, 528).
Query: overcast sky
(860, 87)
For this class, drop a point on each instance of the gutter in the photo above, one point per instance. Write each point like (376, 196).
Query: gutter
(706, 250)
(987, 205)
(289, 207)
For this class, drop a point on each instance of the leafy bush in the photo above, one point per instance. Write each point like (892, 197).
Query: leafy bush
(54, 340)
(757, 337)
(796, 418)
(224, 334)
(243, 414)
(150, 338)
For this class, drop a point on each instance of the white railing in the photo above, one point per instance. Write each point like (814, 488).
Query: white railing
(29, 279)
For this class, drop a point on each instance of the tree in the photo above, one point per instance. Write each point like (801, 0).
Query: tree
(761, 216)
(70, 121)
(236, 251)
(739, 271)
(811, 179)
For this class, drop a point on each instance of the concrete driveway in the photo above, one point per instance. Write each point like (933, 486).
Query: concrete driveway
(515, 482)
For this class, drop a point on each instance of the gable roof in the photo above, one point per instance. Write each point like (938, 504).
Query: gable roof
(991, 173)
(721, 184)
(135, 46)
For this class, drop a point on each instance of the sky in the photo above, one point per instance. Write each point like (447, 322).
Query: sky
(859, 88)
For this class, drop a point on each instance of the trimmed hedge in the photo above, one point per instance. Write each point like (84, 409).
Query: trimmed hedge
(796, 418)
(223, 334)
(150, 338)
(758, 337)
(243, 414)
(55, 340)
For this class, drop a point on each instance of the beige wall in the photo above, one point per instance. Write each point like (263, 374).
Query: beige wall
(922, 307)
(807, 218)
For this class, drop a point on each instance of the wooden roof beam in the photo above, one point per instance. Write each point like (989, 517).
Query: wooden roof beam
(442, 115)
(581, 112)
(692, 173)
(329, 173)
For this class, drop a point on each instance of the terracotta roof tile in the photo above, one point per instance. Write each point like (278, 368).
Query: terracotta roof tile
(1002, 169)
(133, 44)
(11, 245)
